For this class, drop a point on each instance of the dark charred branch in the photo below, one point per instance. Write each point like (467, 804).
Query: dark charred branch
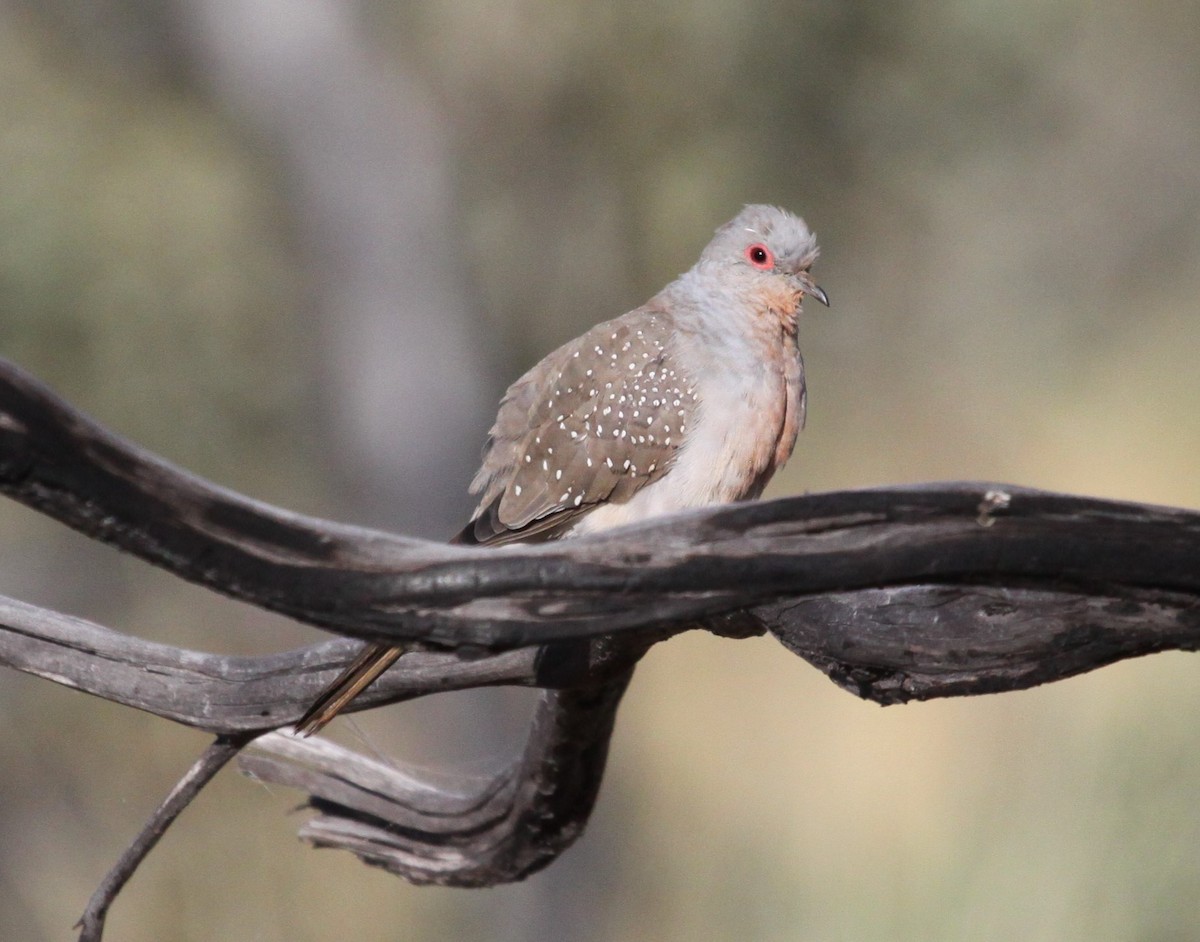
(373, 585)
(895, 593)
(500, 830)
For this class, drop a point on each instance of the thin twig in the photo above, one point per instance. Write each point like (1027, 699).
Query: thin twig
(896, 593)
(211, 761)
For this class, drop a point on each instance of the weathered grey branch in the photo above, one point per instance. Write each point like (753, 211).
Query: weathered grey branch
(930, 641)
(895, 593)
(373, 585)
(495, 830)
(214, 758)
(219, 693)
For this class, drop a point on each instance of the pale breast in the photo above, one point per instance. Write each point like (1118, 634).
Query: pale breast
(743, 431)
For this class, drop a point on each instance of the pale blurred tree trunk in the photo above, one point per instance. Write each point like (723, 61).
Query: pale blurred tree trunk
(406, 368)
(367, 158)
(407, 380)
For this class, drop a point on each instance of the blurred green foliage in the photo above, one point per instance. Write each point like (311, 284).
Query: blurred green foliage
(1008, 200)
(144, 259)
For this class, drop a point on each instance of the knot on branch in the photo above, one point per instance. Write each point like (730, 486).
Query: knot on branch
(895, 593)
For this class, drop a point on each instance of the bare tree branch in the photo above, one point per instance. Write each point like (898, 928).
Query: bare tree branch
(224, 694)
(895, 593)
(493, 831)
(215, 757)
(373, 585)
(924, 641)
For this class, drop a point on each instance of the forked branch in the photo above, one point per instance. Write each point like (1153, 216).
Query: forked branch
(896, 594)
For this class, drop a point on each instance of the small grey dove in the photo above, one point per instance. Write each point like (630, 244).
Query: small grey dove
(694, 398)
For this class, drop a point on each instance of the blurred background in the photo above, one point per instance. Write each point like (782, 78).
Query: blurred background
(301, 247)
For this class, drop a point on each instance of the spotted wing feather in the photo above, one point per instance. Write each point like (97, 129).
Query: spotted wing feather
(596, 421)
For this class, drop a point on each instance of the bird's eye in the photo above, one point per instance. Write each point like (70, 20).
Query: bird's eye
(760, 256)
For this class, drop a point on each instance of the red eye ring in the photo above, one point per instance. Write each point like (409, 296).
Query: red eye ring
(760, 257)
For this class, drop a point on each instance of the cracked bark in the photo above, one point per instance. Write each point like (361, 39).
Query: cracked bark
(895, 593)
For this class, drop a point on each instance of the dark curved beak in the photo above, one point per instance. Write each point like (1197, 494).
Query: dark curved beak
(813, 290)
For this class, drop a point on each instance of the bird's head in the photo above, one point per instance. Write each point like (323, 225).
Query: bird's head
(767, 251)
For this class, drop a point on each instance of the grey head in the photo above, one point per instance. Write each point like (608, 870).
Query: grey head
(763, 249)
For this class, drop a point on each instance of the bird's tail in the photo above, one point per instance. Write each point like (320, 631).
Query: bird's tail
(363, 671)
(372, 661)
